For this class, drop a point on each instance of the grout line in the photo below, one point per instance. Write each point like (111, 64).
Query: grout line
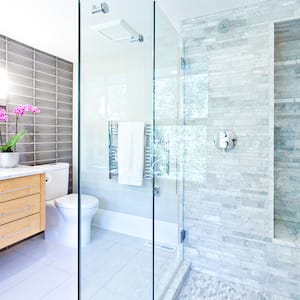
(34, 117)
(38, 61)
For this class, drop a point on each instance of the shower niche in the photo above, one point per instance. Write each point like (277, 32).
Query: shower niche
(287, 131)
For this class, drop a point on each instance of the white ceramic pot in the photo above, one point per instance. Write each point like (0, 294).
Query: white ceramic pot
(9, 159)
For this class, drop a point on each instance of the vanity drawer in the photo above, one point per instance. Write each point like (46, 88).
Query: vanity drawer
(19, 187)
(19, 208)
(18, 230)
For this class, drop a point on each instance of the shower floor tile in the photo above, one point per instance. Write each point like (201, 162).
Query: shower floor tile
(200, 286)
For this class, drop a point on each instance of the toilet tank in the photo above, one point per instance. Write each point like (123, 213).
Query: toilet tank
(57, 180)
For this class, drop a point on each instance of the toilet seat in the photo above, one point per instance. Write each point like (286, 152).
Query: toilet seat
(71, 201)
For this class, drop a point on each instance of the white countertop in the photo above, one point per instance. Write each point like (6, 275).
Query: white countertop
(20, 171)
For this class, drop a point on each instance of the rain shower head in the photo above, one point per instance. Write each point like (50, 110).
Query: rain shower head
(118, 30)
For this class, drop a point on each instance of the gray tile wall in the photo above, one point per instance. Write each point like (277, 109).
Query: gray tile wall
(287, 126)
(229, 202)
(46, 81)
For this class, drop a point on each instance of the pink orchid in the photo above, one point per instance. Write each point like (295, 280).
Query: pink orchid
(21, 109)
(3, 118)
(31, 108)
(3, 115)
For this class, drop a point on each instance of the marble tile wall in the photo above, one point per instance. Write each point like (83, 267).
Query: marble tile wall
(287, 130)
(229, 198)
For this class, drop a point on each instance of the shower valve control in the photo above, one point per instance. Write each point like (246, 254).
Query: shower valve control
(225, 140)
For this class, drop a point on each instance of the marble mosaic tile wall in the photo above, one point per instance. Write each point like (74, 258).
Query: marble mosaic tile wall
(229, 198)
(287, 125)
(38, 78)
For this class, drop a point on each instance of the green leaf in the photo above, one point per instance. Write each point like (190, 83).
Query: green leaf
(10, 145)
(4, 148)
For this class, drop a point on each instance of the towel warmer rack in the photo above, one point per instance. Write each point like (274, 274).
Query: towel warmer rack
(151, 160)
(113, 150)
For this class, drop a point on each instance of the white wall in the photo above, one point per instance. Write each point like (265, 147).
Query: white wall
(50, 26)
(114, 88)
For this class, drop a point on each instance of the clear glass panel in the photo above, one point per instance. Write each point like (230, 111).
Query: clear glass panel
(168, 154)
(116, 90)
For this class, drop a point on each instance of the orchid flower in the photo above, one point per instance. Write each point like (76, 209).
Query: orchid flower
(3, 118)
(19, 111)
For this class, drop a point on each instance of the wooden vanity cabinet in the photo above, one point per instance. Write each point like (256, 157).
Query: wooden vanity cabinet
(22, 208)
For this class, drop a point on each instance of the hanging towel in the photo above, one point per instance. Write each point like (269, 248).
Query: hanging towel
(131, 153)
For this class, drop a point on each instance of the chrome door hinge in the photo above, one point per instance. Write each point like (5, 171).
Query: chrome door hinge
(182, 235)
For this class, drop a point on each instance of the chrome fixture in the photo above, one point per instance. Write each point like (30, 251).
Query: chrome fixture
(225, 140)
(224, 26)
(103, 7)
(185, 64)
(113, 132)
(139, 38)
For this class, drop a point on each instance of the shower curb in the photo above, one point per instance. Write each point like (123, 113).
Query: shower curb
(176, 284)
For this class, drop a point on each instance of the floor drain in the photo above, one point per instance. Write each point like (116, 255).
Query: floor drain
(161, 246)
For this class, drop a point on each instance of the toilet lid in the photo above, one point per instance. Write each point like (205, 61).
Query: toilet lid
(71, 201)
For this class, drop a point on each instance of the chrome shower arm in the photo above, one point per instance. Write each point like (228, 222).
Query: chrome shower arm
(102, 8)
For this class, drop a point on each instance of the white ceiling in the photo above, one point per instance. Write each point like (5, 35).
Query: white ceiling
(48, 25)
(51, 25)
(178, 10)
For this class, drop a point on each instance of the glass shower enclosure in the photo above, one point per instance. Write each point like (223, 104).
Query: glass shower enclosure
(131, 149)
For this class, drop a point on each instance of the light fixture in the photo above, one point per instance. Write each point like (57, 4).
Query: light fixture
(3, 86)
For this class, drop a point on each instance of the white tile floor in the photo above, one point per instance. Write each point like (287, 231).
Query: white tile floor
(38, 269)
(113, 266)
(119, 267)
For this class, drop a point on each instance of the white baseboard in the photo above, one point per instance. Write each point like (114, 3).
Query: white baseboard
(165, 232)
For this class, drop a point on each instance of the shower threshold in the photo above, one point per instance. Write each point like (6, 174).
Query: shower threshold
(176, 284)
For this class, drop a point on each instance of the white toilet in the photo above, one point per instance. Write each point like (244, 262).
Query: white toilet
(62, 209)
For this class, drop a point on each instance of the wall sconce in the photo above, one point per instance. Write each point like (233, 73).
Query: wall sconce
(3, 86)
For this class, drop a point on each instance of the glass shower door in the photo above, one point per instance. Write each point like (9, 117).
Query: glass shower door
(116, 91)
(135, 246)
(168, 155)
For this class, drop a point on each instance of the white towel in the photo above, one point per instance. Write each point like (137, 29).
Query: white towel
(131, 153)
